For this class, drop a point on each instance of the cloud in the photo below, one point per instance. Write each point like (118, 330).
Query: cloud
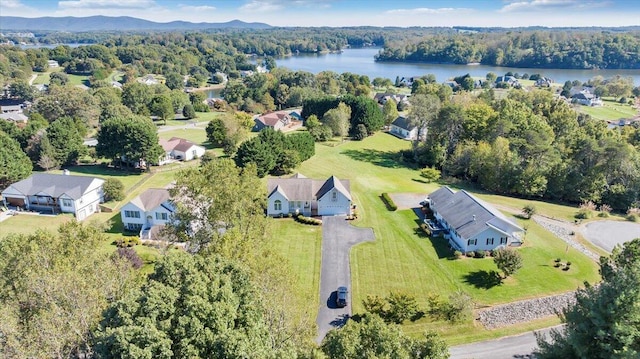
(11, 4)
(425, 10)
(106, 4)
(196, 8)
(541, 5)
(273, 5)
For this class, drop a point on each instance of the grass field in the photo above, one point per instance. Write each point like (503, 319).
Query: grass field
(196, 135)
(301, 245)
(610, 111)
(401, 259)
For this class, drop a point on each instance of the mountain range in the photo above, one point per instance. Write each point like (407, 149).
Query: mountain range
(108, 23)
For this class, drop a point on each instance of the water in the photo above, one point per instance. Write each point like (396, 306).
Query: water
(360, 61)
(50, 46)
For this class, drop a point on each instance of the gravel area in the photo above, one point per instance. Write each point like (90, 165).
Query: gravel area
(407, 200)
(525, 311)
(564, 230)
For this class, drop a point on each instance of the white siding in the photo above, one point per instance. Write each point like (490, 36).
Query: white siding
(271, 211)
(479, 242)
(330, 206)
(129, 222)
(89, 203)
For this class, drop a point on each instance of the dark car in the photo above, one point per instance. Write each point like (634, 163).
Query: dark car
(341, 297)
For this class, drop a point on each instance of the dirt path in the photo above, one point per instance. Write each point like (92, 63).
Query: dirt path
(33, 78)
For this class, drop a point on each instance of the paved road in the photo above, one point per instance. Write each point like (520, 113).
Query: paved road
(608, 234)
(518, 346)
(338, 236)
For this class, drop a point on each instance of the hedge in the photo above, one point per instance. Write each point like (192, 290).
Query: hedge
(389, 202)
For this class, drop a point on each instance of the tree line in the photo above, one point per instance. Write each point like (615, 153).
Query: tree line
(571, 49)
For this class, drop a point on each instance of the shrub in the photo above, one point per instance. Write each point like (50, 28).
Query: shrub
(126, 242)
(389, 202)
(557, 260)
(308, 220)
(457, 254)
(566, 268)
(480, 254)
(130, 255)
(529, 210)
(470, 254)
(632, 217)
(426, 229)
(557, 265)
(430, 174)
(583, 214)
(113, 189)
(568, 263)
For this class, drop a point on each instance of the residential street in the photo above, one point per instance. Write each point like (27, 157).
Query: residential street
(338, 236)
(518, 346)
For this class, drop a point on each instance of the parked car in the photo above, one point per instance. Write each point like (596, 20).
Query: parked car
(341, 297)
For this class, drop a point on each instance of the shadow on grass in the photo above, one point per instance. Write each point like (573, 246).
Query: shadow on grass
(379, 158)
(483, 279)
(101, 170)
(420, 180)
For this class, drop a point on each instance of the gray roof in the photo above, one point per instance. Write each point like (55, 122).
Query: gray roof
(151, 198)
(55, 185)
(300, 188)
(403, 123)
(468, 215)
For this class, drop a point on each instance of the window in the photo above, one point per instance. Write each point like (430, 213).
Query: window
(132, 214)
(334, 196)
(134, 226)
(472, 242)
(67, 202)
(162, 216)
(489, 240)
(503, 240)
(277, 205)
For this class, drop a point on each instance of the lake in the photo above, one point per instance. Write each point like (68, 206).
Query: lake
(360, 61)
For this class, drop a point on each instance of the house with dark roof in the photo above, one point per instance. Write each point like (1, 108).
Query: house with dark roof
(309, 197)
(180, 149)
(471, 224)
(148, 213)
(382, 98)
(56, 193)
(403, 128)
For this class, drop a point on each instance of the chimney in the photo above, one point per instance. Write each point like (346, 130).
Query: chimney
(474, 217)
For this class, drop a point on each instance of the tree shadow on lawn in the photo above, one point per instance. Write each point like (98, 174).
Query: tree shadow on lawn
(483, 279)
(103, 170)
(379, 158)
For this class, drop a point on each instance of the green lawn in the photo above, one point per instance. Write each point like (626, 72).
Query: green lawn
(128, 178)
(301, 245)
(401, 259)
(196, 135)
(27, 224)
(610, 111)
(42, 78)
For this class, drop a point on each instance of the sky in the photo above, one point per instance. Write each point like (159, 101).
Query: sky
(481, 13)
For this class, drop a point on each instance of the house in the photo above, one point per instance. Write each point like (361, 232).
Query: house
(471, 224)
(382, 98)
(586, 98)
(544, 82)
(402, 128)
(310, 197)
(180, 149)
(53, 64)
(277, 120)
(148, 213)
(14, 117)
(510, 80)
(12, 106)
(56, 193)
(150, 80)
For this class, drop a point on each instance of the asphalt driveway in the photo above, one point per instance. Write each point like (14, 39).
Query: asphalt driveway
(338, 236)
(517, 346)
(608, 234)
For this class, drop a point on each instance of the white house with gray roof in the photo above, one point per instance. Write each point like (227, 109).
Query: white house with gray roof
(402, 127)
(56, 193)
(148, 212)
(309, 197)
(471, 224)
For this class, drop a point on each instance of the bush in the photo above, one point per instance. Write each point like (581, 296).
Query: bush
(426, 229)
(557, 265)
(568, 263)
(529, 210)
(557, 260)
(480, 254)
(308, 220)
(430, 174)
(130, 255)
(471, 254)
(126, 242)
(632, 217)
(457, 254)
(113, 190)
(583, 213)
(389, 202)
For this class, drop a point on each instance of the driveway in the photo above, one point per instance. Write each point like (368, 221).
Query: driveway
(607, 234)
(407, 200)
(338, 236)
(518, 346)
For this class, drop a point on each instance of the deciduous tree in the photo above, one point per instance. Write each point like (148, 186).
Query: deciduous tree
(14, 163)
(507, 260)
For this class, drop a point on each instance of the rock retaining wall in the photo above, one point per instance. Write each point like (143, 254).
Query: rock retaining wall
(525, 311)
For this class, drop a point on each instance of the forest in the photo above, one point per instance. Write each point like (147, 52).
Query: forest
(572, 49)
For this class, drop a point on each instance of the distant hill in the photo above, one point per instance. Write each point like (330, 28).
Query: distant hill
(108, 23)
